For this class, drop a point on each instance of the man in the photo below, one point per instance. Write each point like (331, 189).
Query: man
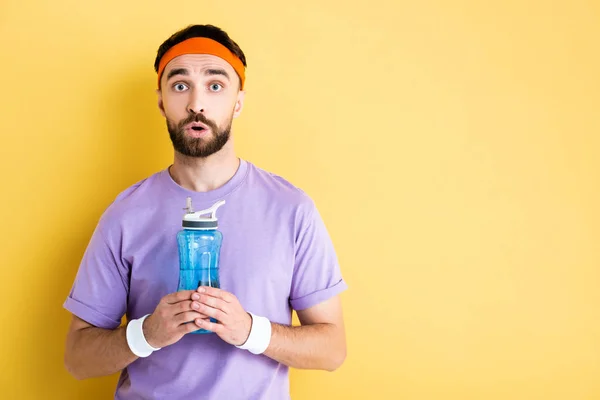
(276, 257)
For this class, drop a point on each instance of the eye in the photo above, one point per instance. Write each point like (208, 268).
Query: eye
(216, 87)
(180, 87)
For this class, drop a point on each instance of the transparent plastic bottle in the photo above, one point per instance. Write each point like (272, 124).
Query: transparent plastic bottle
(199, 244)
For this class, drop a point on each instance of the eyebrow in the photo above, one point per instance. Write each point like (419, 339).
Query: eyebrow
(208, 72)
(216, 71)
(177, 71)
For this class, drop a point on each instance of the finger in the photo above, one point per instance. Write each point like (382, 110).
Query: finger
(214, 302)
(189, 316)
(189, 327)
(183, 306)
(216, 292)
(215, 313)
(176, 297)
(209, 326)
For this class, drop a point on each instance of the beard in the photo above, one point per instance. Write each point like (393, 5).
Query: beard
(198, 147)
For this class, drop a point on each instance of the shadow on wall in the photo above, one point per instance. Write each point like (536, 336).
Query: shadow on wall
(144, 142)
(130, 143)
(138, 141)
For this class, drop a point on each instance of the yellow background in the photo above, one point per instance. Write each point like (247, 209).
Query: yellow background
(451, 147)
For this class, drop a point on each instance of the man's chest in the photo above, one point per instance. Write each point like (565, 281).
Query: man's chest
(255, 265)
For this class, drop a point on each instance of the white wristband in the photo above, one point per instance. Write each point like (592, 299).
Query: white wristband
(260, 335)
(136, 340)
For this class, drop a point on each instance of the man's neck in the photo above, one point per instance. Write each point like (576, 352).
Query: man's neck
(205, 174)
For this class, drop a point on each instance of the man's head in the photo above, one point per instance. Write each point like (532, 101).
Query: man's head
(201, 73)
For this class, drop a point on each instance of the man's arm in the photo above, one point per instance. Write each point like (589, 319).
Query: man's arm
(319, 343)
(91, 351)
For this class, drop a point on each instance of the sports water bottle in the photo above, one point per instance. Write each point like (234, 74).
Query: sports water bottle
(199, 244)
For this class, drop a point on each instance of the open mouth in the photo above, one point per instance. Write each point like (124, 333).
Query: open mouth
(197, 127)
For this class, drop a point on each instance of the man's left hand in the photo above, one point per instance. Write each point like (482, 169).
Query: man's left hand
(234, 322)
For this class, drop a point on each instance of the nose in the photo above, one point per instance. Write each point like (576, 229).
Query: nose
(196, 103)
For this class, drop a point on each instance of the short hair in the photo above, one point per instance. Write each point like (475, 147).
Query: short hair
(207, 31)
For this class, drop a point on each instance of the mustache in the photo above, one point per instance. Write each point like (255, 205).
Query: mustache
(199, 118)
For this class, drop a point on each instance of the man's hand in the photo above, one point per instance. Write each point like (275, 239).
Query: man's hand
(234, 322)
(169, 321)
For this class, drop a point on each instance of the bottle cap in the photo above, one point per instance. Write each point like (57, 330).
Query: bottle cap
(204, 219)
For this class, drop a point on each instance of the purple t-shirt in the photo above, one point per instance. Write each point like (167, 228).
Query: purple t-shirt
(276, 256)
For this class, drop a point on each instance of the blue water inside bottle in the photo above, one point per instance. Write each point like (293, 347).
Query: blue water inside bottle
(199, 246)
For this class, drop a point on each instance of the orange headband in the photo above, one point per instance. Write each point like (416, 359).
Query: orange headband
(202, 45)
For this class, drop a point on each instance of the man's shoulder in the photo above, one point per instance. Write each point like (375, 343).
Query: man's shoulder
(134, 197)
(279, 189)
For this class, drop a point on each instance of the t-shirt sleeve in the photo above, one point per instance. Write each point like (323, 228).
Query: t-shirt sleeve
(317, 276)
(99, 293)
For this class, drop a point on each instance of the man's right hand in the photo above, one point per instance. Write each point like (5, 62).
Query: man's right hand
(169, 321)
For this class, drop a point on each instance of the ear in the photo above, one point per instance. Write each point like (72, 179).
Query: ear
(160, 102)
(239, 104)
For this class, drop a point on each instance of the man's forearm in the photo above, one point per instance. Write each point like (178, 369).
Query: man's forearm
(94, 352)
(316, 346)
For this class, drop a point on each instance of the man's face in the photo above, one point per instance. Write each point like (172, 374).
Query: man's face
(199, 98)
